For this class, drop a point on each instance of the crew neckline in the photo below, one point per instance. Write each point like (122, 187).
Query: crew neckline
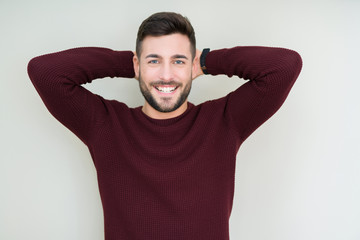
(164, 122)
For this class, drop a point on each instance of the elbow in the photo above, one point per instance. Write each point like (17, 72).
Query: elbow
(34, 69)
(285, 71)
(287, 68)
(35, 74)
(297, 63)
(38, 71)
(292, 65)
(31, 67)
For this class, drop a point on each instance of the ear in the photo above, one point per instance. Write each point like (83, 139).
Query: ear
(136, 64)
(197, 71)
(195, 64)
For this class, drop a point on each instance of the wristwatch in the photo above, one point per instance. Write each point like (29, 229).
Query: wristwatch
(202, 60)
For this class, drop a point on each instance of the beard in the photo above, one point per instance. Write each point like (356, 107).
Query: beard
(166, 104)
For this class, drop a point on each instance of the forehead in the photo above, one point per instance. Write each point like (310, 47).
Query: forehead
(167, 45)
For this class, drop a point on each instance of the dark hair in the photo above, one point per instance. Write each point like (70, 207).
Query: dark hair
(165, 23)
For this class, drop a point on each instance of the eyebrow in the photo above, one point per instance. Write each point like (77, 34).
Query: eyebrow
(179, 56)
(173, 57)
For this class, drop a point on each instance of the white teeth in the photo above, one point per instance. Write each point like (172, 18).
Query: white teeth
(166, 89)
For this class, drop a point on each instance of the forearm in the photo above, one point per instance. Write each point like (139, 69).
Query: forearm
(81, 65)
(262, 64)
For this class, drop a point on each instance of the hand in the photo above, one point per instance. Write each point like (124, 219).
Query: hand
(197, 68)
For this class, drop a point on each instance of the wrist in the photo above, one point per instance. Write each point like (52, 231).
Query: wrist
(203, 60)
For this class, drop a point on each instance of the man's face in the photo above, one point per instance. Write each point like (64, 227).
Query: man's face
(164, 71)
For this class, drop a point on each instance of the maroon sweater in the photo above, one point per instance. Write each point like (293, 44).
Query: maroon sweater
(167, 179)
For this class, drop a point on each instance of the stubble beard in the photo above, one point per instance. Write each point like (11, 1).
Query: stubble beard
(165, 105)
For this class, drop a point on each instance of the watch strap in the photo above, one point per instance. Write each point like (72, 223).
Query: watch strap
(203, 59)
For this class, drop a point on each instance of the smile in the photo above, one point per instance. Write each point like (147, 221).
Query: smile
(166, 89)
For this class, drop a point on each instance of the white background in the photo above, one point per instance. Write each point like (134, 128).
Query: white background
(297, 176)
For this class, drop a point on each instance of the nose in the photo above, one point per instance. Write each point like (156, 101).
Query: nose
(166, 73)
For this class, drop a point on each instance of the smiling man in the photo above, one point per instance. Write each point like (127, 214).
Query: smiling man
(164, 68)
(165, 169)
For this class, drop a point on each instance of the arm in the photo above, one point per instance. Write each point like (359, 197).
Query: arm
(58, 77)
(271, 71)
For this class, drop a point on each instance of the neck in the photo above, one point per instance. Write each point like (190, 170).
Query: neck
(153, 113)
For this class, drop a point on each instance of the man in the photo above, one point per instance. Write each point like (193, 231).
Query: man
(166, 169)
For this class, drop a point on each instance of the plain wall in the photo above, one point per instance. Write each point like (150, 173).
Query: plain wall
(297, 176)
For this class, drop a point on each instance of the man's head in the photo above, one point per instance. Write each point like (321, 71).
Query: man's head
(164, 62)
(165, 23)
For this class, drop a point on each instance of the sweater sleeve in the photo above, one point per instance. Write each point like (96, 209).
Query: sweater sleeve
(271, 73)
(58, 77)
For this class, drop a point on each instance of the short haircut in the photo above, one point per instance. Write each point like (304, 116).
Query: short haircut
(165, 23)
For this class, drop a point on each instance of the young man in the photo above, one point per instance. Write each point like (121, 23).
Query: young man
(166, 169)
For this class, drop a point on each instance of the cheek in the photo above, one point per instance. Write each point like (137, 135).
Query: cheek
(185, 75)
(148, 74)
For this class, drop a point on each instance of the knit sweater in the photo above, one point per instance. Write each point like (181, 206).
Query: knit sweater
(170, 179)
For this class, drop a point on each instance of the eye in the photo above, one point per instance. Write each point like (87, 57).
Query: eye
(154, 61)
(179, 62)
